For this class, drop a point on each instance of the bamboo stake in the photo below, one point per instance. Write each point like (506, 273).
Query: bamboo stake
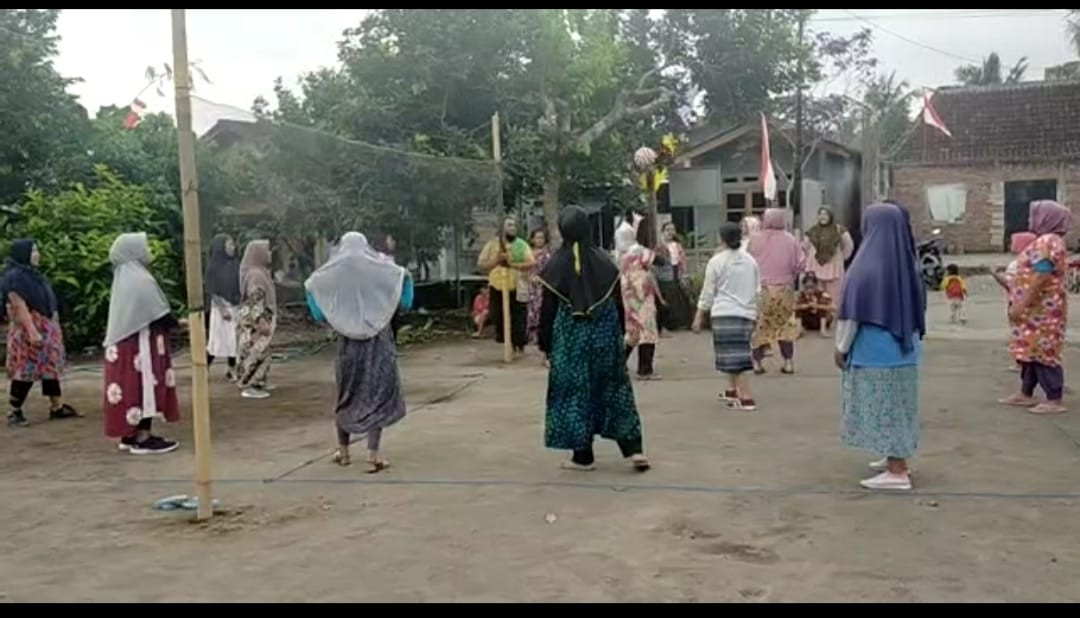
(189, 189)
(496, 154)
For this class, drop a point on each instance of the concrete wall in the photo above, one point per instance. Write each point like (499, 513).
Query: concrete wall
(983, 228)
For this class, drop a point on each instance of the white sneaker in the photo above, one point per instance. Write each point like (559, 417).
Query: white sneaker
(882, 465)
(254, 393)
(888, 481)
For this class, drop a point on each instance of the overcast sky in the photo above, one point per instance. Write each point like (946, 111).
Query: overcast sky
(242, 51)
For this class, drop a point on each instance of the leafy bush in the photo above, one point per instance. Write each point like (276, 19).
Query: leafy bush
(74, 230)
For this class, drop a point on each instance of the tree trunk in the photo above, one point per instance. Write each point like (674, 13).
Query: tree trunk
(551, 206)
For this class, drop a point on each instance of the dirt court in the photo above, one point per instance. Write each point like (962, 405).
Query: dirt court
(739, 507)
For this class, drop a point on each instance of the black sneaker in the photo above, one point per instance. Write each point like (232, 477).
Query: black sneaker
(16, 418)
(153, 446)
(126, 443)
(63, 412)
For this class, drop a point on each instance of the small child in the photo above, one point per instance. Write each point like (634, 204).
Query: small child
(480, 312)
(956, 291)
(814, 306)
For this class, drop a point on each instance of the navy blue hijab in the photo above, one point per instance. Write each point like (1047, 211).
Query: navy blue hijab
(882, 286)
(23, 279)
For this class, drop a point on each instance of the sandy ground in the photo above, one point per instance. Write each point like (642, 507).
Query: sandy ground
(739, 507)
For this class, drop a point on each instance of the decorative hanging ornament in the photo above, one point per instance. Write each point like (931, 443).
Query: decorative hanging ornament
(644, 158)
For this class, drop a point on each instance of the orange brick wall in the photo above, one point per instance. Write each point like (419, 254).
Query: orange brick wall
(978, 234)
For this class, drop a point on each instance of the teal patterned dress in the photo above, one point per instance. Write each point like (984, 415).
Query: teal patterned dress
(589, 390)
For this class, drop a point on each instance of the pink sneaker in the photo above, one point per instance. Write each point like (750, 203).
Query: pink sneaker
(888, 481)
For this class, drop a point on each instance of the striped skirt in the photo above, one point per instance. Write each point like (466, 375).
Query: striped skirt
(731, 344)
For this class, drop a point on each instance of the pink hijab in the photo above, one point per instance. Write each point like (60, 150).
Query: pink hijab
(1049, 217)
(778, 254)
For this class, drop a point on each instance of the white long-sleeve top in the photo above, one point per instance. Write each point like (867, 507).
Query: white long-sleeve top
(731, 287)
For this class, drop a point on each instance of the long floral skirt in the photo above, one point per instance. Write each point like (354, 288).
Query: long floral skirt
(881, 410)
(776, 317)
(139, 382)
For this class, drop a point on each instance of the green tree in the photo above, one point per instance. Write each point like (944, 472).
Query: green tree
(989, 73)
(1072, 27)
(43, 126)
(75, 228)
(890, 101)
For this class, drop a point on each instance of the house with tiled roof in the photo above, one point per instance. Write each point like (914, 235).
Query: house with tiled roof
(1010, 145)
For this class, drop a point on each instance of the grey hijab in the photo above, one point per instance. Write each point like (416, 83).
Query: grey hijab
(136, 300)
(358, 289)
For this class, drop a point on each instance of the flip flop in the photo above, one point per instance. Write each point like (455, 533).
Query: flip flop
(640, 463)
(576, 467)
(1017, 403)
(1046, 409)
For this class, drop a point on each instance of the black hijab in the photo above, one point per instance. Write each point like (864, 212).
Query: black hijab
(223, 271)
(22, 278)
(582, 275)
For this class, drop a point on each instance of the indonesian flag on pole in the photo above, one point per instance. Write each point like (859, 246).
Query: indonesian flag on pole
(931, 117)
(768, 179)
(134, 116)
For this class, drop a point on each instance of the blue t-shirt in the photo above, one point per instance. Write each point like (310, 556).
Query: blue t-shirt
(877, 348)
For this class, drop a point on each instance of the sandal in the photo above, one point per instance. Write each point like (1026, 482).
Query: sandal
(1047, 409)
(746, 405)
(341, 458)
(729, 395)
(576, 467)
(377, 466)
(1019, 401)
(640, 463)
(64, 412)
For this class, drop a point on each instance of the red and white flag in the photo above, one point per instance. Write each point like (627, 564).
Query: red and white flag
(135, 113)
(768, 179)
(931, 117)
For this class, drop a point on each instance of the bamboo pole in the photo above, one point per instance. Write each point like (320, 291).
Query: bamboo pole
(496, 154)
(189, 189)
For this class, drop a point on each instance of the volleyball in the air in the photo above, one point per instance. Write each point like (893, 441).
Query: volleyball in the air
(645, 157)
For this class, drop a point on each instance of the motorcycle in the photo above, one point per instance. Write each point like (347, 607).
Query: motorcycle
(931, 263)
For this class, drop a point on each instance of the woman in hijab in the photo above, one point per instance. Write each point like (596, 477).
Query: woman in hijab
(581, 331)
(255, 320)
(223, 288)
(35, 342)
(780, 260)
(878, 347)
(828, 245)
(541, 255)
(1038, 308)
(749, 226)
(677, 313)
(507, 259)
(140, 384)
(356, 293)
(641, 299)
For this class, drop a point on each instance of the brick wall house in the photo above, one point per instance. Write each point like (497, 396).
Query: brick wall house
(1011, 145)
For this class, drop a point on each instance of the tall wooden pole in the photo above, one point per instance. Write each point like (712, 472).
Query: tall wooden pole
(189, 190)
(496, 154)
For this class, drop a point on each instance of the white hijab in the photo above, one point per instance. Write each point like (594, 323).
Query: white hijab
(358, 289)
(626, 237)
(136, 300)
